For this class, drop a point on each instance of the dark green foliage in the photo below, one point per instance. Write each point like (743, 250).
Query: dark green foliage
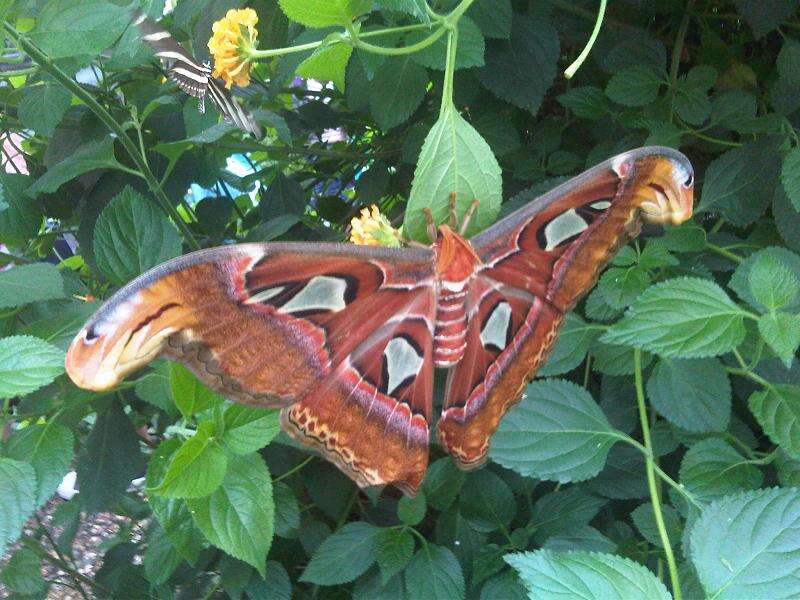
(663, 436)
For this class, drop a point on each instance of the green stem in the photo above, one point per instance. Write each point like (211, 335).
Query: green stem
(662, 474)
(41, 551)
(570, 71)
(724, 252)
(449, 73)
(698, 134)
(293, 470)
(47, 65)
(423, 43)
(651, 477)
(677, 50)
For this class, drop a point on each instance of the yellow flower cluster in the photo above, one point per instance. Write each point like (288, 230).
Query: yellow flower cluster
(234, 36)
(373, 229)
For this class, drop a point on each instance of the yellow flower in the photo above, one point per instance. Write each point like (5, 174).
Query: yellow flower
(234, 37)
(373, 229)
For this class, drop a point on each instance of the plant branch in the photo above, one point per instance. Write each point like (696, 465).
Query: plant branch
(570, 70)
(651, 477)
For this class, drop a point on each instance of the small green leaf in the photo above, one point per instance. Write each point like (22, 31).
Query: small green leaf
(411, 511)
(393, 551)
(131, 236)
(43, 106)
(21, 218)
(748, 545)
(469, 51)
(239, 515)
(790, 176)
(18, 490)
(287, 511)
(598, 576)
(505, 586)
(454, 158)
(26, 364)
(693, 394)
(321, 13)
(328, 62)
(397, 90)
(587, 102)
(777, 410)
(486, 501)
(645, 522)
(161, 558)
(23, 575)
(97, 155)
(564, 510)
(733, 108)
(248, 429)
(772, 283)
(434, 574)
(781, 331)
(356, 541)
(191, 396)
(685, 317)
(442, 483)
(197, 468)
(492, 16)
(580, 537)
(712, 468)
(621, 286)
(570, 348)
(24, 284)
(691, 100)
(634, 86)
(48, 448)
(556, 432)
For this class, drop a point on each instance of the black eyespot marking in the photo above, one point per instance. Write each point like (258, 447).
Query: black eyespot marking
(91, 333)
(689, 180)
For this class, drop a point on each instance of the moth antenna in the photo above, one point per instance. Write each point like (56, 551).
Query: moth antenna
(468, 215)
(452, 210)
(430, 223)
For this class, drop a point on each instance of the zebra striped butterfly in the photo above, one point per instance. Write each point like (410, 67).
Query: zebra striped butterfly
(345, 338)
(193, 77)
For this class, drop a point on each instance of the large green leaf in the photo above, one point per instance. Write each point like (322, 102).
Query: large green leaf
(21, 216)
(486, 501)
(248, 429)
(393, 551)
(682, 318)
(239, 516)
(557, 432)
(434, 574)
(48, 448)
(454, 158)
(770, 275)
(78, 27)
(356, 541)
(587, 575)
(777, 410)
(396, 91)
(563, 510)
(111, 459)
(521, 70)
(693, 394)
(712, 468)
(321, 13)
(469, 51)
(190, 395)
(18, 490)
(132, 235)
(748, 545)
(634, 86)
(26, 364)
(30, 283)
(94, 155)
(43, 106)
(572, 344)
(328, 63)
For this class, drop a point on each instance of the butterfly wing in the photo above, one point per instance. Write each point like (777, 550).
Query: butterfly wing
(191, 76)
(537, 264)
(341, 335)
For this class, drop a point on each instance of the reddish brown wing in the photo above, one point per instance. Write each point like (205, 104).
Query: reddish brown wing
(537, 263)
(339, 335)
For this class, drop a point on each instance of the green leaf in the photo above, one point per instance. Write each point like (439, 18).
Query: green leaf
(645, 522)
(22, 217)
(397, 90)
(393, 551)
(693, 394)
(411, 511)
(287, 511)
(131, 236)
(18, 490)
(521, 70)
(748, 545)
(556, 432)
(284, 196)
(777, 410)
(581, 537)
(615, 360)
(415, 8)
(740, 183)
(763, 16)
(454, 158)
(155, 387)
(469, 51)
(486, 501)
(96, 155)
(321, 13)
(59, 322)
(67, 28)
(621, 286)
(24, 284)
(775, 271)
(327, 63)
(564, 510)
(788, 469)
(442, 483)
(733, 108)
(26, 364)
(248, 429)
(161, 558)
(587, 102)
(570, 348)
(711, 468)
(22, 574)
(505, 586)
(197, 468)
(781, 331)
(549, 574)
(190, 395)
(43, 106)
(275, 585)
(621, 478)
(790, 176)
(356, 541)
(691, 100)
(684, 317)
(493, 17)
(434, 574)
(48, 448)
(239, 515)
(634, 86)
(111, 459)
